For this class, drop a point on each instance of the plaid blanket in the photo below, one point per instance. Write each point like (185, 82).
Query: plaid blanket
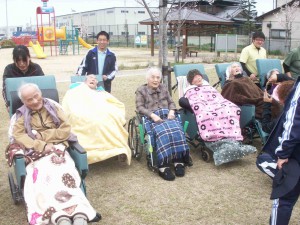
(167, 137)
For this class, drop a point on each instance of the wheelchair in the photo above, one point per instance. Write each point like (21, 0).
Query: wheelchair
(141, 142)
(264, 66)
(47, 84)
(251, 127)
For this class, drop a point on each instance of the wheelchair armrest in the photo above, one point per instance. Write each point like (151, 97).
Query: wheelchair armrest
(79, 156)
(76, 146)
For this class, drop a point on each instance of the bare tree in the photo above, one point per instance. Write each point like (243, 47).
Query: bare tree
(286, 17)
(164, 23)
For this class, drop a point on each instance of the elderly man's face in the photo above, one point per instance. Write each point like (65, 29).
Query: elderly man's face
(32, 98)
(154, 80)
(91, 81)
(235, 69)
(197, 80)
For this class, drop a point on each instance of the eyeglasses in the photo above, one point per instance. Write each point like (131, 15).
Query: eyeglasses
(260, 40)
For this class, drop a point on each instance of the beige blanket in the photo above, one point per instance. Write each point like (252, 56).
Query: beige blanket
(98, 120)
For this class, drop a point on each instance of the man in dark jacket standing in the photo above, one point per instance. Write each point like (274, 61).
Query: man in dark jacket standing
(284, 144)
(100, 61)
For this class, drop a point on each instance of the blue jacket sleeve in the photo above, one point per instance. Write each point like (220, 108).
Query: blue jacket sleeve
(291, 128)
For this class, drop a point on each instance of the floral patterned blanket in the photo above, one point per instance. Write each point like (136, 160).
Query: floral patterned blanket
(217, 118)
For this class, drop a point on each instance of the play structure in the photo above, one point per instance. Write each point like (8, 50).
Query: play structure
(63, 38)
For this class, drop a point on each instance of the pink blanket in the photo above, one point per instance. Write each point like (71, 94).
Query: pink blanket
(217, 118)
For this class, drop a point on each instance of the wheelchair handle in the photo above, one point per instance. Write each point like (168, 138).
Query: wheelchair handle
(186, 124)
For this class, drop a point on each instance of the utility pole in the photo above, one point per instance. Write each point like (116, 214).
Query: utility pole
(6, 20)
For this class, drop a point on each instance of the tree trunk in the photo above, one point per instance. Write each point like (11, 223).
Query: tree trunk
(163, 52)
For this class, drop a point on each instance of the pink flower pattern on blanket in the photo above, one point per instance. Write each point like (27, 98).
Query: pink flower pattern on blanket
(217, 118)
(35, 174)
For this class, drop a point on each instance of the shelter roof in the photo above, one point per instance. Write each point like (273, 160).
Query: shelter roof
(190, 16)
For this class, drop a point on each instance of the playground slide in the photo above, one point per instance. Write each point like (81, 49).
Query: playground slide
(37, 50)
(84, 44)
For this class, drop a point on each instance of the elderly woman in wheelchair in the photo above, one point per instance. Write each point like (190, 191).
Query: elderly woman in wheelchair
(217, 120)
(154, 102)
(242, 90)
(41, 133)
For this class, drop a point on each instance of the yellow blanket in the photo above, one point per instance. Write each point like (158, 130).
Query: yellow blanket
(98, 120)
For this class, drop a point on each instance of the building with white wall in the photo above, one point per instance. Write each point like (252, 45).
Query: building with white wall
(116, 21)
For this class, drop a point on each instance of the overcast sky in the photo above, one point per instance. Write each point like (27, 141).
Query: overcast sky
(22, 12)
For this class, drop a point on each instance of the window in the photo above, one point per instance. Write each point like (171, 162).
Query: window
(280, 34)
(124, 11)
(141, 33)
(154, 13)
(109, 11)
(141, 12)
(110, 33)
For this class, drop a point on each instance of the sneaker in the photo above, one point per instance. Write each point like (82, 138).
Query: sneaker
(179, 170)
(167, 174)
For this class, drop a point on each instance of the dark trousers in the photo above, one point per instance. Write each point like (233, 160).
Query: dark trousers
(107, 85)
(282, 208)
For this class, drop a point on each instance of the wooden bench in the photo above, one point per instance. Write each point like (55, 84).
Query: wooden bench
(193, 52)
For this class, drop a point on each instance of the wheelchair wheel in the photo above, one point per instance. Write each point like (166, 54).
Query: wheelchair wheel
(130, 133)
(13, 188)
(134, 139)
(151, 167)
(206, 154)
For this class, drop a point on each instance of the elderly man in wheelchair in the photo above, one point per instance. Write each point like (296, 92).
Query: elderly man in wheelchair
(154, 102)
(41, 133)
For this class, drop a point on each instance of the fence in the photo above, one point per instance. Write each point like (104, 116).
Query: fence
(123, 35)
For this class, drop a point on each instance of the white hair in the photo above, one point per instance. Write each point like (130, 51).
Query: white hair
(24, 86)
(153, 70)
(228, 70)
(269, 73)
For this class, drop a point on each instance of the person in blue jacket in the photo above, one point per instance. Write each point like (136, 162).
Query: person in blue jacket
(282, 145)
(100, 61)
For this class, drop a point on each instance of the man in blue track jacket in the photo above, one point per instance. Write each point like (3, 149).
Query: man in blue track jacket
(283, 144)
(100, 61)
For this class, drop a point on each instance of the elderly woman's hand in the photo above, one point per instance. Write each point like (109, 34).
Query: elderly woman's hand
(156, 118)
(253, 77)
(267, 97)
(171, 115)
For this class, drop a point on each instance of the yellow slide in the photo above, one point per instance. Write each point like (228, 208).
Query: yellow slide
(84, 44)
(37, 50)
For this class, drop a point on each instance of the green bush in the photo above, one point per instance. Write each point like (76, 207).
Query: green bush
(206, 47)
(7, 44)
(275, 52)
